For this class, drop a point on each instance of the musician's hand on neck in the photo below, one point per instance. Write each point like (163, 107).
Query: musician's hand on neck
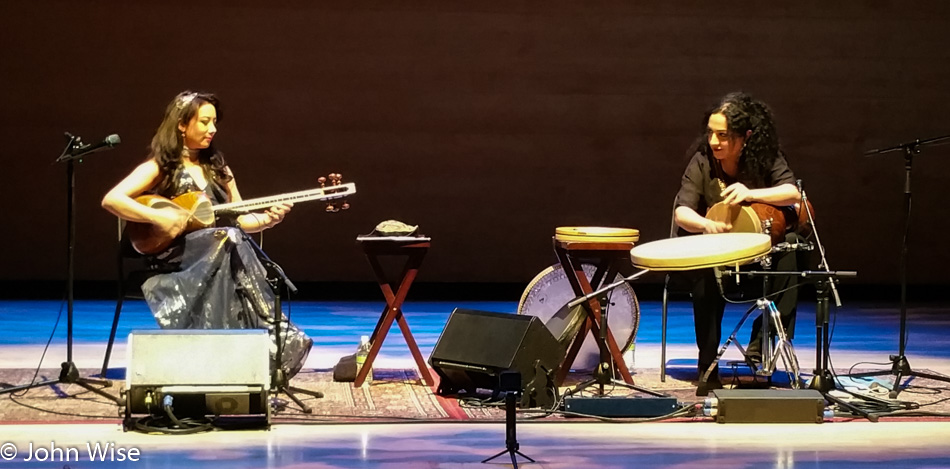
(277, 213)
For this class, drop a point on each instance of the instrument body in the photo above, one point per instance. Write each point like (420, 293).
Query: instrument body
(148, 238)
(765, 218)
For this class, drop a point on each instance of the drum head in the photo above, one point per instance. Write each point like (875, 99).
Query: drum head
(742, 218)
(548, 294)
(596, 234)
(701, 251)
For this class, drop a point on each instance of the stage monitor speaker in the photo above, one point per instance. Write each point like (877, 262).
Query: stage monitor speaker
(206, 372)
(477, 346)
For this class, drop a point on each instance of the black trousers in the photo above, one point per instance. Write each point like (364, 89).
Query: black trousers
(709, 305)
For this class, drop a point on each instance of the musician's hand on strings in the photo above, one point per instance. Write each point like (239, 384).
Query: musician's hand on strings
(736, 194)
(713, 227)
(276, 214)
(172, 221)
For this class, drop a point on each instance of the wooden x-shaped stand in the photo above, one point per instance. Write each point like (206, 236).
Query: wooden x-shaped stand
(414, 250)
(608, 257)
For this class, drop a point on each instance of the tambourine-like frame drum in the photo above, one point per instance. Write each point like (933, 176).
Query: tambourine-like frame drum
(701, 251)
(596, 234)
(548, 293)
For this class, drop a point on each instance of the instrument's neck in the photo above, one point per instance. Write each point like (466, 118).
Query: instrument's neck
(331, 192)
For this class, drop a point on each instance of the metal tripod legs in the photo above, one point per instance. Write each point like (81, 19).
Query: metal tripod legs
(772, 350)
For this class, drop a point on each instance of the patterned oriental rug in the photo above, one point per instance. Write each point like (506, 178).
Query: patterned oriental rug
(394, 395)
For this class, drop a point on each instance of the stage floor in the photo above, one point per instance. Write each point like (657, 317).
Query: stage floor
(864, 335)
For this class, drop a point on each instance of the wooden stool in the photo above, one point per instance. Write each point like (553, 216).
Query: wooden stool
(609, 250)
(414, 249)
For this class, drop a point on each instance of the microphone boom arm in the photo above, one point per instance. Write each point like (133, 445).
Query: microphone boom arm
(591, 295)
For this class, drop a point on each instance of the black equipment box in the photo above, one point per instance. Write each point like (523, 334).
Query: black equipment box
(621, 406)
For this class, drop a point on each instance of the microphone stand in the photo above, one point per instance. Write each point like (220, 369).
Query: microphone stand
(604, 374)
(823, 379)
(510, 382)
(69, 374)
(279, 380)
(606, 288)
(901, 367)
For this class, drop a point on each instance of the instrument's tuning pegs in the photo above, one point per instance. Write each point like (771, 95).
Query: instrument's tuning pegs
(332, 208)
(322, 180)
(345, 206)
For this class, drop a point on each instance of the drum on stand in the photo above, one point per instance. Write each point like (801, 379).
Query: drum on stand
(547, 296)
(596, 234)
(724, 250)
(701, 251)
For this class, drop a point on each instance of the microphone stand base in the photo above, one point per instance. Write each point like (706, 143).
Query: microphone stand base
(69, 374)
(822, 382)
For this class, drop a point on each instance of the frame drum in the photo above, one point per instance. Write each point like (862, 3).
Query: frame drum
(548, 294)
(596, 234)
(743, 218)
(751, 219)
(701, 251)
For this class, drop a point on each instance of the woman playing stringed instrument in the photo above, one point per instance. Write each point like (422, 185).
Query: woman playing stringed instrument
(736, 161)
(220, 282)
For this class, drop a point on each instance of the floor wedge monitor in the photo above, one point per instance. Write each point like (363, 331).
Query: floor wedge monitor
(198, 372)
(477, 346)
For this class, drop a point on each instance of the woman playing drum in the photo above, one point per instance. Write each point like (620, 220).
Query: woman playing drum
(737, 160)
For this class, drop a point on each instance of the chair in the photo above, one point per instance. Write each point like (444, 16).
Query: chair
(672, 283)
(133, 269)
(667, 289)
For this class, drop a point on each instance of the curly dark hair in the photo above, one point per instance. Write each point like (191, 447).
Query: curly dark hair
(744, 113)
(168, 143)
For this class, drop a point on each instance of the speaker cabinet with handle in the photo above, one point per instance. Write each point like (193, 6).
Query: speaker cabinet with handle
(477, 346)
(205, 372)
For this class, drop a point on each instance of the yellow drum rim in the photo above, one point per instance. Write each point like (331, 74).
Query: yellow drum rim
(701, 251)
(595, 234)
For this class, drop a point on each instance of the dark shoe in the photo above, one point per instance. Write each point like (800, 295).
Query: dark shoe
(703, 388)
(753, 359)
(755, 346)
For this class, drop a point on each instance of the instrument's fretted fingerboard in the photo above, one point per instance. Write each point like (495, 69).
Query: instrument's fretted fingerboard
(326, 193)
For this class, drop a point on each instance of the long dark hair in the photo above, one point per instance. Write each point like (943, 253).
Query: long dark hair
(744, 113)
(168, 144)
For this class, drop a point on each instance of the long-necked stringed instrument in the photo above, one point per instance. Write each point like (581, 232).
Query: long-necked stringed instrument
(147, 238)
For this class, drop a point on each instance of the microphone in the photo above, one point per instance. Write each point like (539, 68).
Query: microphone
(718, 274)
(798, 183)
(79, 149)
